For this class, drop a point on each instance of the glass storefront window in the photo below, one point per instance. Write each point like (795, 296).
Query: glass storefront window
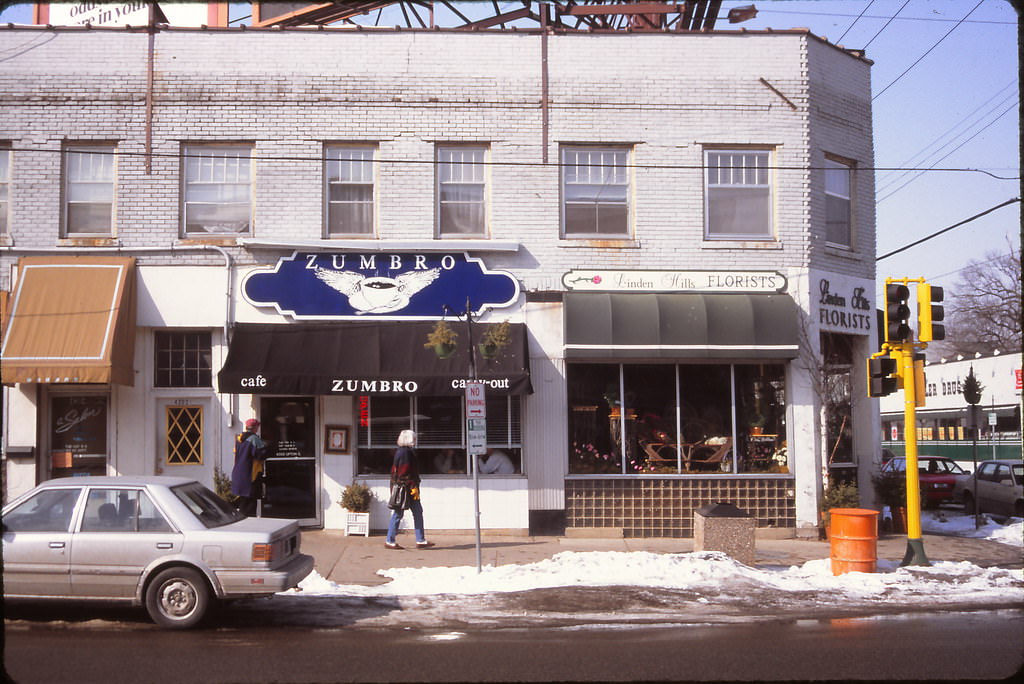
(676, 419)
(439, 423)
(78, 435)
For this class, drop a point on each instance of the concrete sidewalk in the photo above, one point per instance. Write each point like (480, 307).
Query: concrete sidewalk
(356, 559)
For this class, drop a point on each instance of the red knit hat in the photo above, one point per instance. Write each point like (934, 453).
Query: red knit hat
(252, 424)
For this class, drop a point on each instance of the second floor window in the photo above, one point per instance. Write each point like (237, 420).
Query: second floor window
(88, 190)
(595, 192)
(349, 179)
(217, 190)
(460, 191)
(738, 195)
(838, 211)
(5, 182)
(183, 359)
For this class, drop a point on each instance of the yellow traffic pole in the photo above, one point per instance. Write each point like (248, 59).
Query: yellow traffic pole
(915, 545)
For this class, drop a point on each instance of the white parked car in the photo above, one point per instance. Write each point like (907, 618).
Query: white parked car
(168, 543)
(1000, 488)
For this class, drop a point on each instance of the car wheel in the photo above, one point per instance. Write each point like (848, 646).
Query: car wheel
(968, 503)
(178, 598)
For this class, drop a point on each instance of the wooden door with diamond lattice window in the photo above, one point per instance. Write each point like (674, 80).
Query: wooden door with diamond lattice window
(181, 440)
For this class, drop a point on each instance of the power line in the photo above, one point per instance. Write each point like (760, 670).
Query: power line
(886, 25)
(553, 164)
(848, 28)
(949, 228)
(990, 123)
(913, 158)
(927, 51)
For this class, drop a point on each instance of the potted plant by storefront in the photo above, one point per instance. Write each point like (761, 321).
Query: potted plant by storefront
(355, 499)
(891, 490)
(442, 339)
(838, 495)
(495, 337)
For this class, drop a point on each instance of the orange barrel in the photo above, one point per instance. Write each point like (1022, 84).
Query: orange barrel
(854, 536)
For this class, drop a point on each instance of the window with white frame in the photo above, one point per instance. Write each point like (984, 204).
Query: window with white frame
(838, 207)
(595, 192)
(738, 195)
(461, 208)
(217, 189)
(5, 183)
(88, 190)
(349, 176)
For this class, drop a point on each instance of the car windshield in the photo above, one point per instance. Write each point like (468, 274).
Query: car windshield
(1018, 471)
(211, 510)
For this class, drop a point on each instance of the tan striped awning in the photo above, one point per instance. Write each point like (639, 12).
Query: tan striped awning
(72, 320)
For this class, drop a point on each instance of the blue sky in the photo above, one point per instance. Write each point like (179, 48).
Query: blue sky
(945, 96)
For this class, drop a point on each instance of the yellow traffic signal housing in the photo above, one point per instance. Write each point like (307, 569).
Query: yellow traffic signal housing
(897, 313)
(883, 376)
(929, 312)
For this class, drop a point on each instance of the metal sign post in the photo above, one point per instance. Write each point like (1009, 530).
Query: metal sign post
(476, 445)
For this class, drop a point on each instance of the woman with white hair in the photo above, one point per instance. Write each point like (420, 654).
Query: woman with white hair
(405, 472)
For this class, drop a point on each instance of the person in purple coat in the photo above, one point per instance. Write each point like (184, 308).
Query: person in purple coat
(405, 471)
(250, 452)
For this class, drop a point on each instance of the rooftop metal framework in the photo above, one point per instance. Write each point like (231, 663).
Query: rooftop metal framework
(603, 15)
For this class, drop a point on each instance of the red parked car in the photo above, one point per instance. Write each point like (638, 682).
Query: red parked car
(936, 475)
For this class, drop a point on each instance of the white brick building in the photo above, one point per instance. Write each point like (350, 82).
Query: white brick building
(682, 221)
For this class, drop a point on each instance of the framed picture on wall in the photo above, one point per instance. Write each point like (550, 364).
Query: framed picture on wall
(336, 439)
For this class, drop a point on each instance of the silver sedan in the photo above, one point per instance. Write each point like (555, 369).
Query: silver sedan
(998, 488)
(168, 543)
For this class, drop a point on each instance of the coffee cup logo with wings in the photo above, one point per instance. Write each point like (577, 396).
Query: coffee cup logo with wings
(377, 294)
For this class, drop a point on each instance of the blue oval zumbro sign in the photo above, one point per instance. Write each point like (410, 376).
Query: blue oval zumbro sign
(345, 285)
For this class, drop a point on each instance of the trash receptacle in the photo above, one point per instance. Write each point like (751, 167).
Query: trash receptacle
(724, 527)
(853, 533)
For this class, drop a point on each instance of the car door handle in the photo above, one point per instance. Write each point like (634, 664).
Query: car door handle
(56, 545)
(164, 545)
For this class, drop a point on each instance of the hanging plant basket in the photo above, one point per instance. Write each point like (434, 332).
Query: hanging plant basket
(444, 350)
(442, 340)
(488, 351)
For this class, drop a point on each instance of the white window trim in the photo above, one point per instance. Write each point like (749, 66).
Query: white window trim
(738, 238)
(625, 237)
(186, 150)
(850, 168)
(87, 148)
(486, 183)
(373, 183)
(5, 203)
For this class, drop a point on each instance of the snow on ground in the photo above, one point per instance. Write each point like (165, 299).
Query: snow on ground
(958, 525)
(712, 574)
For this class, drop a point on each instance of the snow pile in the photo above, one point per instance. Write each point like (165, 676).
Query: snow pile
(715, 577)
(957, 525)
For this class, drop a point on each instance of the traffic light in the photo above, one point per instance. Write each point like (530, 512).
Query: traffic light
(883, 373)
(928, 312)
(897, 313)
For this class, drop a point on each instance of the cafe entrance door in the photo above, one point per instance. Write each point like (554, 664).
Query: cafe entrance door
(292, 473)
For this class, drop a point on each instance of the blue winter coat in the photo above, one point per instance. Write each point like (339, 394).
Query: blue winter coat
(249, 448)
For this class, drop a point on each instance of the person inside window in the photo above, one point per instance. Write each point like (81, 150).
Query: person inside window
(496, 462)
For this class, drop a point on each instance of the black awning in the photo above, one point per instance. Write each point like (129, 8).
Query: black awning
(374, 358)
(696, 326)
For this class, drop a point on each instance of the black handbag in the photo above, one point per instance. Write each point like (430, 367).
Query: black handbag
(399, 500)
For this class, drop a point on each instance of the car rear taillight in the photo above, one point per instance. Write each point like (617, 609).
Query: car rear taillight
(262, 553)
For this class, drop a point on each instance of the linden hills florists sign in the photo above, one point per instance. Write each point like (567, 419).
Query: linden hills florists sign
(358, 286)
(603, 280)
(843, 304)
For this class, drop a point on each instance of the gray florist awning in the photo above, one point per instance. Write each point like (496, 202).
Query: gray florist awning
(695, 326)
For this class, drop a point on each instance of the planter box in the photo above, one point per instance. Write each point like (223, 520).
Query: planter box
(357, 523)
